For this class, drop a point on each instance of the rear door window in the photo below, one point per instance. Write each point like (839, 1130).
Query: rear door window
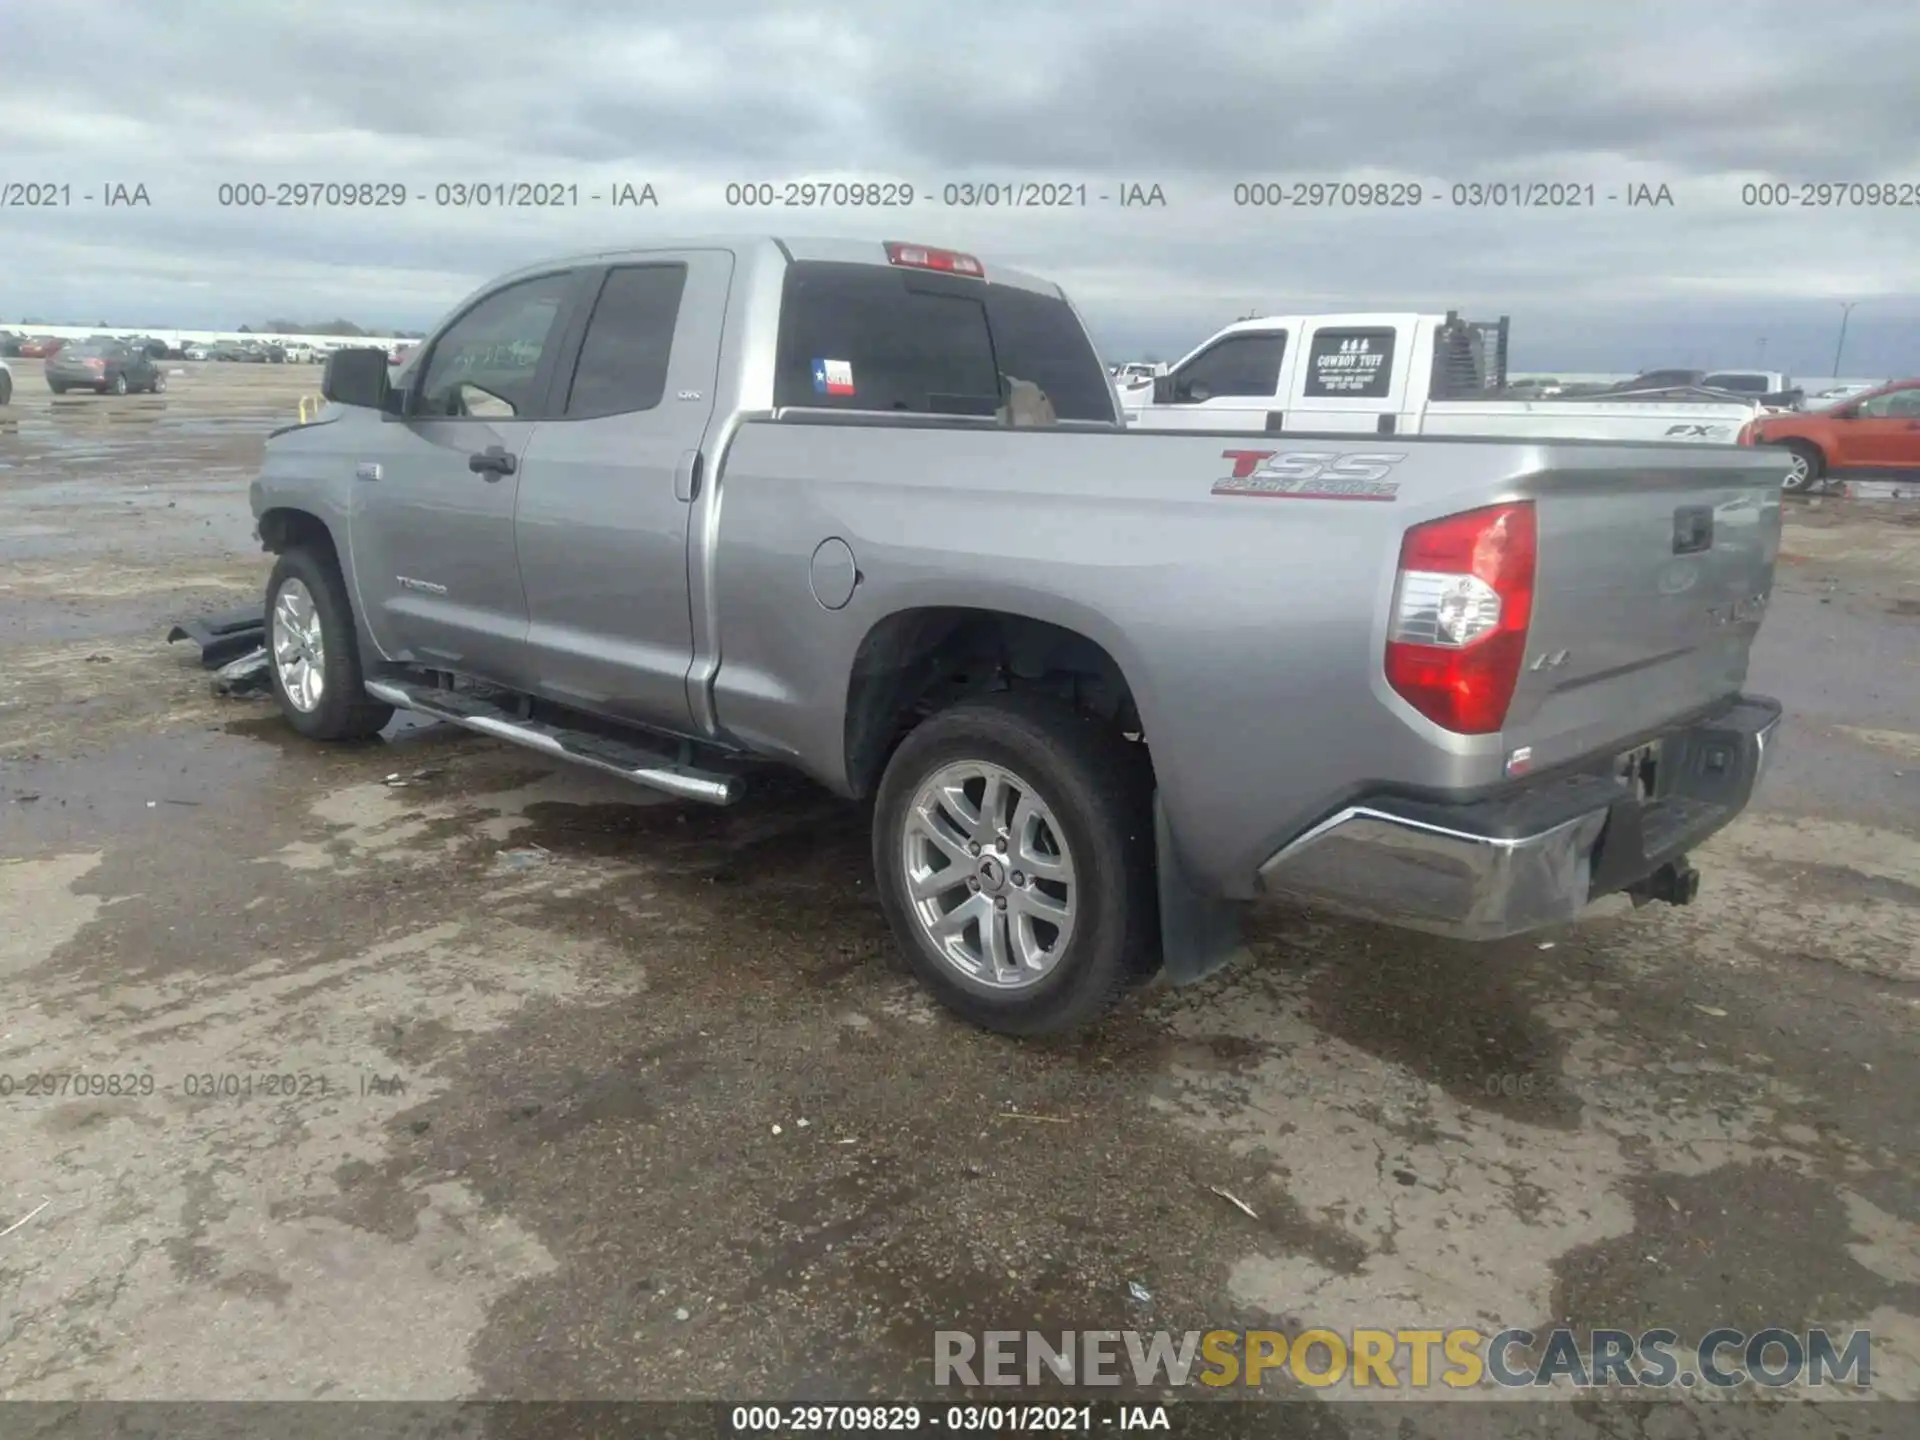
(629, 340)
(870, 337)
(1350, 364)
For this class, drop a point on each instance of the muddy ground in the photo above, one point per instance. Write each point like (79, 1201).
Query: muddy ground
(600, 1097)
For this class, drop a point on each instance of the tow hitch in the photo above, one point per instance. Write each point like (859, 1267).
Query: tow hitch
(1675, 882)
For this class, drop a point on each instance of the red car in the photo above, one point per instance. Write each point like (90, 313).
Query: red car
(1875, 436)
(40, 347)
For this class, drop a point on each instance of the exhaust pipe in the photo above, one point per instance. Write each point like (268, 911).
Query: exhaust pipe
(1675, 883)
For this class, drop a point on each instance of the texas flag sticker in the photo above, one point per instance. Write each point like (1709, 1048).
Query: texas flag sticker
(833, 377)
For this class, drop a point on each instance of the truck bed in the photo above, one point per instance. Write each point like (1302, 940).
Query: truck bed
(1249, 631)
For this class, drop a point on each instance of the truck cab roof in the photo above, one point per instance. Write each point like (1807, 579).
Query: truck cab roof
(759, 252)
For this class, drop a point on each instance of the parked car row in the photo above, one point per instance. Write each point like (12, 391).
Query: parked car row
(289, 352)
(29, 347)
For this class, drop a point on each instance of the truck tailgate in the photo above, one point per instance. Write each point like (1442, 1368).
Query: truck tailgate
(1650, 589)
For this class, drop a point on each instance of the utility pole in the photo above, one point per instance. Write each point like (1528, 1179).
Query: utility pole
(1846, 312)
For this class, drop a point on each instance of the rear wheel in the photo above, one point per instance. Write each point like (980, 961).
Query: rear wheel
(1013, 848)
(313, 652)
(6, 388)
(118, 385)
(159, 386)
(1809, 466)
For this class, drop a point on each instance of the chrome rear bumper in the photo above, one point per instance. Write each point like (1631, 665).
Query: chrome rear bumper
(1534, 856)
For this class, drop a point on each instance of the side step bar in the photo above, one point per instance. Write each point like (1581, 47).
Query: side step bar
(615, 757)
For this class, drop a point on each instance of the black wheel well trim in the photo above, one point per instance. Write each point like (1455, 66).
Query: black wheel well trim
(937, 654)
(284, 526)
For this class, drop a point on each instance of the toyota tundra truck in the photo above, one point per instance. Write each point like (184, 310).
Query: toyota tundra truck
(870, 511)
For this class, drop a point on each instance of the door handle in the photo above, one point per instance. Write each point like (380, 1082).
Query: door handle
(686, 476)
(493, 462)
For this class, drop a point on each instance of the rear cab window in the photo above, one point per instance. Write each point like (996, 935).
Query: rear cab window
(885, 338)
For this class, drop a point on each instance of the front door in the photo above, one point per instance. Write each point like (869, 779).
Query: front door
(607, 491)
(1883, 437)
(431, 519)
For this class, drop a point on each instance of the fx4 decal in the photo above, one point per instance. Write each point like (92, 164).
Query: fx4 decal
(1311, 474)
(1697, 432)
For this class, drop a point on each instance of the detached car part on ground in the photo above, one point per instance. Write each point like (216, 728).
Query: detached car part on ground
(1874, 435)
(1103, 687)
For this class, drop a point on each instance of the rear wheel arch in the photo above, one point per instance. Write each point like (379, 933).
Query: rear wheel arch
(913, 663)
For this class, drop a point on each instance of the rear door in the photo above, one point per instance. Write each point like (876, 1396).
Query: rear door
(1351, 378)
(431, 520)
(608, 485)
(1232, 384)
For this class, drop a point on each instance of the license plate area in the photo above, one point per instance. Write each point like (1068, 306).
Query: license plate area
(1640, 770)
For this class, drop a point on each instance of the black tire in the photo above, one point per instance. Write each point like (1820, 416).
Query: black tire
(1816, 462)
(159, 385)
(344, 710)
(1099, 789)
(6, 388)
(118, 385)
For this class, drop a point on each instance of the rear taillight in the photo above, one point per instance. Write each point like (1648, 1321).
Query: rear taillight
(924, 257)
(1460, 614)
(96, 364)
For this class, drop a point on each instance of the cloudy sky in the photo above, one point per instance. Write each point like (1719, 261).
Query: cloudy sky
(1711, 100)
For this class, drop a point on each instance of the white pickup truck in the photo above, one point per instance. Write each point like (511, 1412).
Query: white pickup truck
(1397, 374)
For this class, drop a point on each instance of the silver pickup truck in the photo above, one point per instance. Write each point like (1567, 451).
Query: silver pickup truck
(870, 511)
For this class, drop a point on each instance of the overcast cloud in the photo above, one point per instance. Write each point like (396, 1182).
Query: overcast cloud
(1194, 97)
